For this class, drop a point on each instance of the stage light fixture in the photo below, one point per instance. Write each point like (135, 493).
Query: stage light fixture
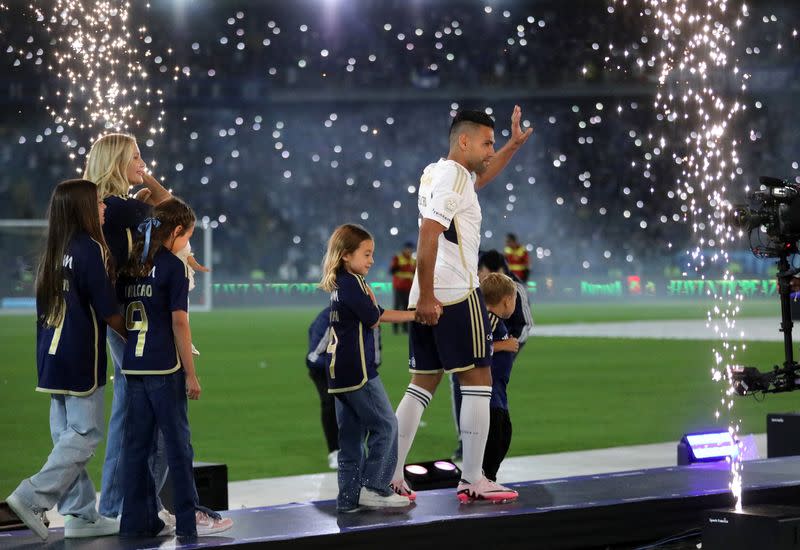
(435, 474)
(706, 447)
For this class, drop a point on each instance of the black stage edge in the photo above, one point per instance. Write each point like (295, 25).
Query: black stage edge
(600, 511)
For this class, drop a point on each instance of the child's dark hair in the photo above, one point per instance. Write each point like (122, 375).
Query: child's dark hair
(494, 261)
(73, 208)
(167, 216)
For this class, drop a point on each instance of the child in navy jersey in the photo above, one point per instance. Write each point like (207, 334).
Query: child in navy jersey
(363, 411)
(74, 303)
(500, 293)
(159, 368)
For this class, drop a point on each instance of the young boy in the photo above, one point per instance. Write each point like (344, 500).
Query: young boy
(500, 295)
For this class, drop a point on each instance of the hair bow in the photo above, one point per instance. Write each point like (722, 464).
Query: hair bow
(146, 227)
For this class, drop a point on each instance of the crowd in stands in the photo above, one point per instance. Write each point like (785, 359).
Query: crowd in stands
(276, 176)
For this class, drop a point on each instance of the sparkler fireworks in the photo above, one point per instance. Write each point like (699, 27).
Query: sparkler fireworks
(698, 98)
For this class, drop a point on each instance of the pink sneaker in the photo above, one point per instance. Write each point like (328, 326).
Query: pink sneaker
(484, 489)
(401, 488)
(206, 525)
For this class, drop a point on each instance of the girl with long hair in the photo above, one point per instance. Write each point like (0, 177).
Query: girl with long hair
(75, 302)
(159, 367)
(362, 406)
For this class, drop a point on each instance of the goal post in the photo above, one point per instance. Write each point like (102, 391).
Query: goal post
(21, 244)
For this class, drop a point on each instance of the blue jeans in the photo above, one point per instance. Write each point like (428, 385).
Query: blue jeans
(76, 426)
(365, 416)
(157, 402)
(113, 474)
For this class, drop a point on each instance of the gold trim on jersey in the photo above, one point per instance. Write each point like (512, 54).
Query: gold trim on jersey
(437, 371)
(462, 369)
(461, 183)
(362, 283)
(478, 328)
(332, 350)
(365, 379)
(461, 252)
(178, 364)
(494, 320)
(102, 251)
(482, 329)
(91, 390)
(176, 368)
(472, 324)
(130, 241)
(57, 334)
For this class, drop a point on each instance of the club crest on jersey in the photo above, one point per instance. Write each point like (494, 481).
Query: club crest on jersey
(450, 206)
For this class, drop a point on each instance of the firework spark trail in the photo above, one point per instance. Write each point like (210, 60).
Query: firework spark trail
(696, 74)
(102, 82)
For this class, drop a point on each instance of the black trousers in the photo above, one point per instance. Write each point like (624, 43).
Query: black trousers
(400, 303)
(498, 442)
(327, 409)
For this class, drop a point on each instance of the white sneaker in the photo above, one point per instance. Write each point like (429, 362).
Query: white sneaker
(484, 489)
(167, 531)
(32, 519)
(370, 498)
(194, 351)
(206, 525)
(78, 528)
(333, 460)
(166, 517)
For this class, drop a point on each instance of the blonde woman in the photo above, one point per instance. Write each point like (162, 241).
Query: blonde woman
(115, 166)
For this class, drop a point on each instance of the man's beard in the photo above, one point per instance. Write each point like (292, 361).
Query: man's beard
(479, 167)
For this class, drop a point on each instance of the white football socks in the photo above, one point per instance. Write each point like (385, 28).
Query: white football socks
(409, 412)
(474, 429)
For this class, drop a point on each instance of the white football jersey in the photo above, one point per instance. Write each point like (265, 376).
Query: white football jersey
(447, 195)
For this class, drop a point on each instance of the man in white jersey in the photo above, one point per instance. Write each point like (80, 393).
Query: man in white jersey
(453, 333)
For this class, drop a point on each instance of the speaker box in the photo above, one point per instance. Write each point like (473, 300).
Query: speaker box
(768, 527)
(783, 434)
(211, 481)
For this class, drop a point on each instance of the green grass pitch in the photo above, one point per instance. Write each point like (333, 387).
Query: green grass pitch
(259, 411)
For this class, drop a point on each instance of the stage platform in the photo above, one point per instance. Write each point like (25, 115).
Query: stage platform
(600, 511)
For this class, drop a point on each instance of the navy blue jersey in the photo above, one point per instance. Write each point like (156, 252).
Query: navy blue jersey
(123, 215)
(149, 303)
(352, 343)
(501, 364)
(520, 322)
(71, 358)
(319, 337)
(318, 340)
